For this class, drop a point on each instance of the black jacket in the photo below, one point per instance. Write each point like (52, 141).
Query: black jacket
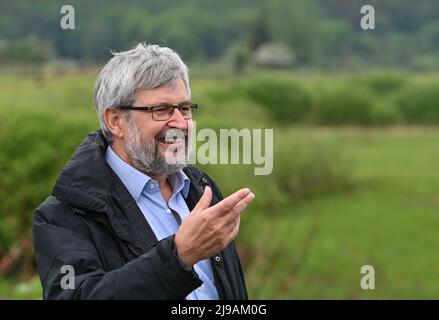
(92, 223)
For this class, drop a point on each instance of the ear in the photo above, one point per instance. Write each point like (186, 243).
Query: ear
(114, 121)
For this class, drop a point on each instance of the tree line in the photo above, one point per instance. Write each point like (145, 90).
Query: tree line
(318, 33)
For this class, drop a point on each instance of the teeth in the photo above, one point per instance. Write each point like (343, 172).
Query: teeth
(174, 136)
(172, 140)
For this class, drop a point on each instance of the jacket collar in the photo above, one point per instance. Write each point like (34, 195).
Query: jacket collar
(84, 181)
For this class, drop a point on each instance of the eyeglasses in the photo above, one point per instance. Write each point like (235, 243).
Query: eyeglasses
(164, 111)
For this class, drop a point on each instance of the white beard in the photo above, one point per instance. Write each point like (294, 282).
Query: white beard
(146, 156)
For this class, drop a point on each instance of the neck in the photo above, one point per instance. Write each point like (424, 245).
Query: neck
(162, 180)
(120, 151)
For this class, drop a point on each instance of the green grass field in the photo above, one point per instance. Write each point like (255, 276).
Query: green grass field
(292, 248)
(316, 249)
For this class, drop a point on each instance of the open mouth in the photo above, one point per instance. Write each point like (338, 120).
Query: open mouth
(171, 141)
(172, 136)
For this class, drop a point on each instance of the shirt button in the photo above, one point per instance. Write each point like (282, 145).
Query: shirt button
(168, 211)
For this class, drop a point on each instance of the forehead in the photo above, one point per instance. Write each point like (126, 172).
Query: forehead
(172, 93)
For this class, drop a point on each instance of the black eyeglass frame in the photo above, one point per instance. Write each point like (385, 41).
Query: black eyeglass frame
(193, 107)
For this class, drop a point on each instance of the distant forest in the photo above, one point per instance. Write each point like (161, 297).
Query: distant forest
(321, 33)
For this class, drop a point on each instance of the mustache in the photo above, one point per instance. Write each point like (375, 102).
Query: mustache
(172, 134)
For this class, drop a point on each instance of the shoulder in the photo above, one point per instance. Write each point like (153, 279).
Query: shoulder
(54, 212)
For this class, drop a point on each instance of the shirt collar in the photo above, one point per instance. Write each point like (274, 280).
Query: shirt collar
(180, 183)
(136, 181)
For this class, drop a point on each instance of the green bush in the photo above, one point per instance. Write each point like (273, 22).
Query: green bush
(305, 169)
(419, 103)
(225, 93)
(359, 100)
(35, 146)
(384, 112)
(288, 102)
(382, 83)
(338, 105)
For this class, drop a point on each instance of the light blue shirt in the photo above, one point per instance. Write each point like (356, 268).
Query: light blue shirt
(146, 193)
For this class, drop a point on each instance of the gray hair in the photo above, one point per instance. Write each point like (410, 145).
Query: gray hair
(145, 66)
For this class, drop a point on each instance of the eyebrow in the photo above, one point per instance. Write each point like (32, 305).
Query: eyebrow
(167, 103)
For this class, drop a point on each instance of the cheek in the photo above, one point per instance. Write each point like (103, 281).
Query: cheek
(148, 131)
(149, 136)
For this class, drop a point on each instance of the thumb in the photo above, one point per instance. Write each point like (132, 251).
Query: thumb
(205, 200)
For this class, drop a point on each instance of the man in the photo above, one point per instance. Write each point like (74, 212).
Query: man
(128, 218)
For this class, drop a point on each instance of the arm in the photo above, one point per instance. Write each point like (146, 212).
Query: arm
(154, 275)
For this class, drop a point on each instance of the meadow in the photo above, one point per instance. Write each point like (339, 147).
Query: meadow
(353, 183)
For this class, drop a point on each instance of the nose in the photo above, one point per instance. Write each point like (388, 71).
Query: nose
(177, 120)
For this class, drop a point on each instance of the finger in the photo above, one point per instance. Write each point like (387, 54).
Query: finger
(230, 230)
(240, 207)
(231, 224)
(205, 200)
(235, 228)
(230, 202)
